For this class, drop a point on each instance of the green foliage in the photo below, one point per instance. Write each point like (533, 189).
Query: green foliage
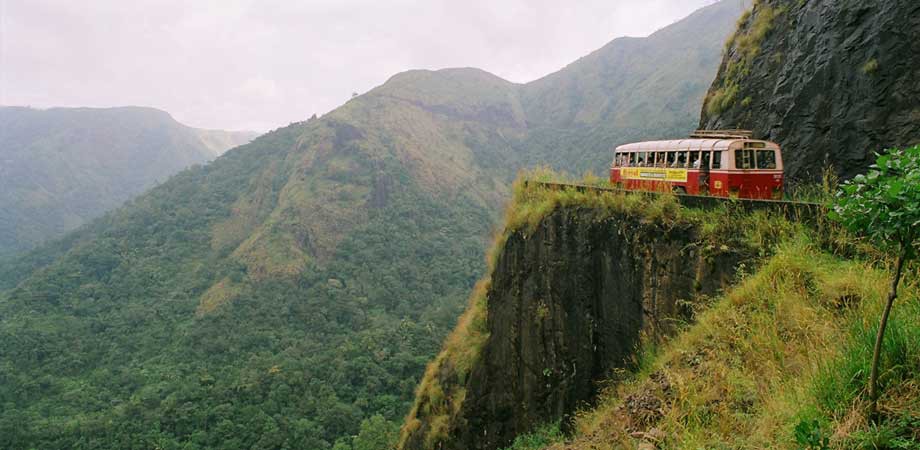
(376, 433)
(812, 435)
(899, 433)
(543, 436)
(884, 205)
(870, 67)
(722, 98)
(743, 48)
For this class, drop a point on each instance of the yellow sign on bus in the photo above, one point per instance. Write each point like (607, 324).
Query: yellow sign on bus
(653, 174)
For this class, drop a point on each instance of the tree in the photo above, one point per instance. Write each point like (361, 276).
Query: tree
(884, 206)
(376, 434)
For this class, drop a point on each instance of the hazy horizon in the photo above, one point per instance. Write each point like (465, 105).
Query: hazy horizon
(238, 65)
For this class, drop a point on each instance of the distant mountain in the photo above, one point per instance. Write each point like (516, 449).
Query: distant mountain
(631, 89)
(61, 167)
(298, 285)
(832, 81)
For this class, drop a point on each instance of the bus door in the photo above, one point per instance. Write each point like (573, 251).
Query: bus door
(704, 173)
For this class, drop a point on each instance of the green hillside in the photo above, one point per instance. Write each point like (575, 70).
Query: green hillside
(207, 308)
(62, 167)
(290, 290)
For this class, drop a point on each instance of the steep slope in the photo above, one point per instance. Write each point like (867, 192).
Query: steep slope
(832, 81)
(579, 281)
(780, 361)
(631, 89)
(280, 295)
(61, 167)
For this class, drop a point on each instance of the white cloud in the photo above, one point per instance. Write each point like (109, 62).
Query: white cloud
(246, 63)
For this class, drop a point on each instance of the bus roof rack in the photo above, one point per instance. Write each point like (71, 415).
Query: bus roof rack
(722, 134)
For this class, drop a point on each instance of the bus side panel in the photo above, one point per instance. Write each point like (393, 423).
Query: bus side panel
(756, 185)
(693, 182)
(719, 184)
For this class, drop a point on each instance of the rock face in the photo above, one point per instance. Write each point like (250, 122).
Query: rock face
(567, 306)
(833, 81)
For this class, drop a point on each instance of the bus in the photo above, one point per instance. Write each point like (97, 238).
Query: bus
(724, 163)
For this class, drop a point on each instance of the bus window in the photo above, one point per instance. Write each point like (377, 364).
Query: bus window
(707, 156)
(659, 159)
(672, 159)
(682, 159)
(716, 160)
(766, 159)
(632, 160)
(744, 159)
(695, 160)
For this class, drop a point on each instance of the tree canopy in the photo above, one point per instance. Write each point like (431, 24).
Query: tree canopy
(884, 206)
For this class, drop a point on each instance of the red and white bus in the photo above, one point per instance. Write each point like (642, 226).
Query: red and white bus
(717, 163)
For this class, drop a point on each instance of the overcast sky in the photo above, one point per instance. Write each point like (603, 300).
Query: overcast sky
(260, 64)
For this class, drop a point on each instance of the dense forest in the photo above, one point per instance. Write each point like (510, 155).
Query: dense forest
(114, 347)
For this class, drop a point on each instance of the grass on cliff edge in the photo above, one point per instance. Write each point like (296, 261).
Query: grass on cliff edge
(441, 392)
(780, 361)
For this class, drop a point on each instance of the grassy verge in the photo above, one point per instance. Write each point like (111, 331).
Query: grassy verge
(779, 362)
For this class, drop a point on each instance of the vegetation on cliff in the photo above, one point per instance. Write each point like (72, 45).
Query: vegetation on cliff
(726, 228)
(741, 49)
(780, 360)
(787, 349)
(784, 358)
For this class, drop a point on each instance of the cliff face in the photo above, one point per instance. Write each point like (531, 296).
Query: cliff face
(833, 81)
(567, 306)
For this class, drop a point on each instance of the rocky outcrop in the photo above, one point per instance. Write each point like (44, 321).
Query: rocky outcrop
(568, 305)
(833, 81)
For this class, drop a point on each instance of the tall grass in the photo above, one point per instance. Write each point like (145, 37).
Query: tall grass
(788, 347)
(539, 438)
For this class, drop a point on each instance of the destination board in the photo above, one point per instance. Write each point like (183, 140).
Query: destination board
(653, 174)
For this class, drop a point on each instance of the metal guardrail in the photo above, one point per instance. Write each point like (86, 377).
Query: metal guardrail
(806, 212)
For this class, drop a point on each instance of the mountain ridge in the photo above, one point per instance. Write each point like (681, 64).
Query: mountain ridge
(60, 167)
